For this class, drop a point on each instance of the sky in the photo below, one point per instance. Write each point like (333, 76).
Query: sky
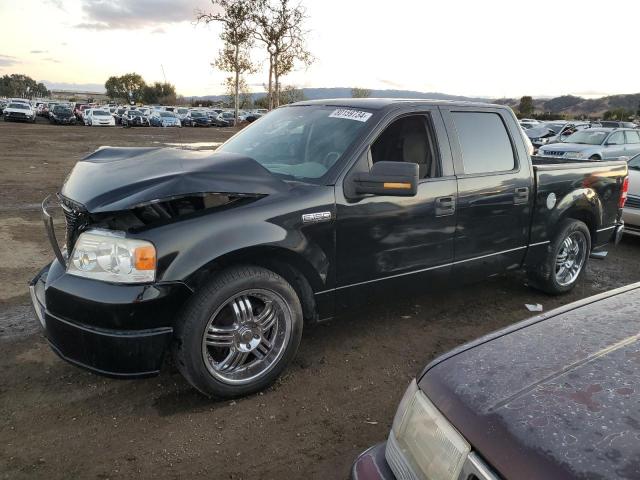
(484, 48)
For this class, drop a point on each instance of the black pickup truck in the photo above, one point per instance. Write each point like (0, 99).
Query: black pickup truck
(221, 257)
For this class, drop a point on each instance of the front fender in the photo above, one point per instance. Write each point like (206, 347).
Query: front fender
(188, 247)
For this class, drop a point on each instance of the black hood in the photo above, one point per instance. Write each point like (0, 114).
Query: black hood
(113, 179)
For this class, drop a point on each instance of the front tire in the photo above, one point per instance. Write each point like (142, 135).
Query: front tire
(566, 259)
(239, 332)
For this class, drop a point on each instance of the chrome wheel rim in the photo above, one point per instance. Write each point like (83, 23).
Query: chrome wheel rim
(246, 336)
(570, 258)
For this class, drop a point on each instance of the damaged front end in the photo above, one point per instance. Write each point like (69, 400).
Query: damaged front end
(103, 304)
(130, 190)
(134, 220)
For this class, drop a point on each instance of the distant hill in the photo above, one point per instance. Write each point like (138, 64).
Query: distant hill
(342, 92)
(573, 106)
(568, 105)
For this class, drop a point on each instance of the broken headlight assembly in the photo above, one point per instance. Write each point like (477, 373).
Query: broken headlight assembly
(111, 257)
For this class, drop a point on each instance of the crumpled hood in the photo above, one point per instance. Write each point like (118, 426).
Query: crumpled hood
(555, 397)
(113, 179)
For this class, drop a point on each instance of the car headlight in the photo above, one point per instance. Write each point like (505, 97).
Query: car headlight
(110, 257)
(423, 444)
(574, 155)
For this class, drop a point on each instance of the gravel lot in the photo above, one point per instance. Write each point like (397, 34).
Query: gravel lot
(339, 396)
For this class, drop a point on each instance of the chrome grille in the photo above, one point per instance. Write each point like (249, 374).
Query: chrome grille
(74, 220)
(554, 153)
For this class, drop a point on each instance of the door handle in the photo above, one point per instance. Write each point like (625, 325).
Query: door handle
(445, 206)
(521, 195)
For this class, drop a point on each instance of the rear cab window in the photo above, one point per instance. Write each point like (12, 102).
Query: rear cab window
(484, 142)
(632, 137)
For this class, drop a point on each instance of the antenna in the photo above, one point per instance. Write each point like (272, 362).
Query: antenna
(163, 75)
(180, 139)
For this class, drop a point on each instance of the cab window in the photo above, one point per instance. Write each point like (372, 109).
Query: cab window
(484, 141)
(409, 139)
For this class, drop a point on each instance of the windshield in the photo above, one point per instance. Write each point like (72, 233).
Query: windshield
(167, 115)
(634, 163)
(59, 109)
(135, 113)
(299, 142)
(197, 114)
(556, 127)
(100, 113)
(587, 137)
(18, 105)
(183, 110)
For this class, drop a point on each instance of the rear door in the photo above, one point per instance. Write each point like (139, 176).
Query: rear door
(495, 191)
(633, 143)
(615, 146)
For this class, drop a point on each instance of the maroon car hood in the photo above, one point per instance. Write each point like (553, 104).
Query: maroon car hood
(556, 397)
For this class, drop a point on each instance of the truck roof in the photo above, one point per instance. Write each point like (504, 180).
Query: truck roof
(380, 103)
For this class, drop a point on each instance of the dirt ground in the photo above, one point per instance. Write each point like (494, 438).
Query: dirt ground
(339, 396)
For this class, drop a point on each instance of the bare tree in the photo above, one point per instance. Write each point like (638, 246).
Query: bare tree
(357, 92)
(237, 35)
(280, 27)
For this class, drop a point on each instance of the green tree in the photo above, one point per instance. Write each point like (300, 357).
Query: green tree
(357, 92)
(236, 17)
(245, 97)
(526, 107)
(23, 86)
(290, 94)
(159, 93)
(129, 87)
(279, 26)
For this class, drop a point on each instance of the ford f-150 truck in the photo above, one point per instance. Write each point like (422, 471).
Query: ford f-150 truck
(221, 257)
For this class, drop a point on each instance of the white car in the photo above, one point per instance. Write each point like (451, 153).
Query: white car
(631, 212)
(181, 112)
(95, 117)
(18, 111)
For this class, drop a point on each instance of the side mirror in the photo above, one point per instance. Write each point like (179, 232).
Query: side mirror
(399, 179)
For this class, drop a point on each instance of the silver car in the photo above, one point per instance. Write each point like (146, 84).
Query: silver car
(595, 144)
(631, 212)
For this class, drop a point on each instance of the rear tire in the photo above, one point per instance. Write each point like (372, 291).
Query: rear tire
(566, 259)
(238, 333)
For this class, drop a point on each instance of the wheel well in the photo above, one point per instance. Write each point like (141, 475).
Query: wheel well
(587, 218)
(596, 156)
(294, 269)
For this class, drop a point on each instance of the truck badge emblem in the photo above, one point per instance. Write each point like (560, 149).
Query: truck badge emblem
(316, 217)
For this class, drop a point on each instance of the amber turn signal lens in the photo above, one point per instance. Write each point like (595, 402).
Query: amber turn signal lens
(402, 185)
(145, 258)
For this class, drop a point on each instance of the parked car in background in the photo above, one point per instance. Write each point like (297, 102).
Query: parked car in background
(19, 112)
(117, 115)
(553, 132)
(164, 119)
(226, 118)
(595, 144)
(62, 115)
(553, 397)
(79, 112)
(181, 112)
(616, 124)
(309, 212)
(134, 118)
(96, 117)
(196, 118)
(252, 117)
(631, 212)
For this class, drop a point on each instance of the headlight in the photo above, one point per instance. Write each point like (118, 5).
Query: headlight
(423, 442)
(574, 155)
(110, 257)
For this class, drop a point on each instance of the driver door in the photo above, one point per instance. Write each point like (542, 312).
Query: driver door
(389, 244)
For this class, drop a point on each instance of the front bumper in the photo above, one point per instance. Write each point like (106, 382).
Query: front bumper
(111, 329)
(372, 465)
